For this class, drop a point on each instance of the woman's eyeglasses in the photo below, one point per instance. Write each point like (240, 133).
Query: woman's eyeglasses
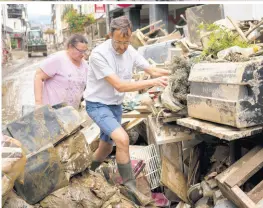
(80, 51)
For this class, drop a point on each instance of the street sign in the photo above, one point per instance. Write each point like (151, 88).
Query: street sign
(16, 35)
(100, 8)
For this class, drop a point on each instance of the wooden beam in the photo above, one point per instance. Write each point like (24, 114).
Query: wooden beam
(244, 200)
(246, 169)
(140, 115)
(256, 194)
(240, 32)
(227, 173)
(253, 28)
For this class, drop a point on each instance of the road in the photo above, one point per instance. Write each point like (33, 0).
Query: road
(18, 85)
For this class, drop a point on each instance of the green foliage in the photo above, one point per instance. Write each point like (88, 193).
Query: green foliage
(13, 43)
(220, 39)
(67, 9)
(77, 22)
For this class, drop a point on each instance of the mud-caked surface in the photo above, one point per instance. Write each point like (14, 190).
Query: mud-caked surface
(37, 129)
(175, 94)
(75, 154)
(44, 174)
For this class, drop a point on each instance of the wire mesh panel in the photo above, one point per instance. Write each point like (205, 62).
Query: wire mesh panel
(151, 159)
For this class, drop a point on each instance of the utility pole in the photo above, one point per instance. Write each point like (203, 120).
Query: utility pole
(108, 18)
(80, 8)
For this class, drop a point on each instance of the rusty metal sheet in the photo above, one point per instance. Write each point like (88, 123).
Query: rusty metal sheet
(44, 174)
(37, 129)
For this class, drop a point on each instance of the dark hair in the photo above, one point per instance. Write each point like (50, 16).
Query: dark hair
(76, 38)
(121, 23)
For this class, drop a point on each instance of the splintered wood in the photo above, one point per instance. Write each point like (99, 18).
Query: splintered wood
(236, 175)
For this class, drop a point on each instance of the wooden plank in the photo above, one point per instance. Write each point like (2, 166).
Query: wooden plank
(244, 200)
(143, 109)
(256, 194)
(260, 204)
(235, 197)
(246, 170)
(168, 133)
(174, 179)
(224, 175)
(172, 151)
(132, 122)
(221, 131)
(140, 115)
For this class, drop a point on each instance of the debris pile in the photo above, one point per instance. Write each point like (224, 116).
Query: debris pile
(52, 170)
(196, 143)
(207, 78)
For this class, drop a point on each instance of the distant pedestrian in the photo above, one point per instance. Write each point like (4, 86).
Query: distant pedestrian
(62, 76)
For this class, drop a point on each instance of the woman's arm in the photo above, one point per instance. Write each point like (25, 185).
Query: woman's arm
(40, 77)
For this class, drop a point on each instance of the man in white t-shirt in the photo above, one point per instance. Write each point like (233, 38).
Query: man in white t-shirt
(109, 77)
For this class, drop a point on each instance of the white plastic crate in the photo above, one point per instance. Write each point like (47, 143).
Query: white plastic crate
(151, 159)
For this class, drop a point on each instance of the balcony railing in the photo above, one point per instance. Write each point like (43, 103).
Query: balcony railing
(15, 6)
(14, 13)
(15, 10)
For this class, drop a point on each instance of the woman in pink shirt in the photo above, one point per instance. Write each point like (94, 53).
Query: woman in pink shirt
(62, 76)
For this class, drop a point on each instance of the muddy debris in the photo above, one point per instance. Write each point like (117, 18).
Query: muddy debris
(175, 94)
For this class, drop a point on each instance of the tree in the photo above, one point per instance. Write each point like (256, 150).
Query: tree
(49, 31)
(77, 22)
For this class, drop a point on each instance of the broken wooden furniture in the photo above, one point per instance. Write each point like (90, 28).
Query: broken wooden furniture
(227, 93)
(220, 131)
(156, 34)
(231, 180)
(139, 39)
(169, 138)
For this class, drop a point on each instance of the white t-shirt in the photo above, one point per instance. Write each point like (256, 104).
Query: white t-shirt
(103, 62)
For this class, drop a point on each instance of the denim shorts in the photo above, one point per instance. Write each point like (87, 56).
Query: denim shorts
(107, 117)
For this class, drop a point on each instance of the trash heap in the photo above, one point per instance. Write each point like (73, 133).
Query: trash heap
(197, 122)
(196, 143)
(46, 158)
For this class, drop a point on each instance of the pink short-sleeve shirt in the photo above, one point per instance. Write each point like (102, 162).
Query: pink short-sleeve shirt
(67, 82)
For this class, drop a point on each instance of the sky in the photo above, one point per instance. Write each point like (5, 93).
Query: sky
(39, 12)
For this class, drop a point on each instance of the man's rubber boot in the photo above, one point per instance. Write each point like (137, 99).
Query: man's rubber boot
(129, 181)
(94, 165)
(127, 175)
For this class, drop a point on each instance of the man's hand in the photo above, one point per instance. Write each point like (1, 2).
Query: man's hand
(160, 81)
(157, 72)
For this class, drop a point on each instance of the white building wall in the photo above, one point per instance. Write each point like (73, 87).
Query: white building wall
(14, 23)
(244, 11)
(58, 25)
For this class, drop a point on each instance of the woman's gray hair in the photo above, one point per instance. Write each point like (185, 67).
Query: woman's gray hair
(121, 23)
(76, 38)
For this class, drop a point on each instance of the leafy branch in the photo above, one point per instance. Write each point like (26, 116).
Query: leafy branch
(219, 39)
(77, 22)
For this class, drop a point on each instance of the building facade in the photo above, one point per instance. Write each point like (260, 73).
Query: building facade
(15, 24)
